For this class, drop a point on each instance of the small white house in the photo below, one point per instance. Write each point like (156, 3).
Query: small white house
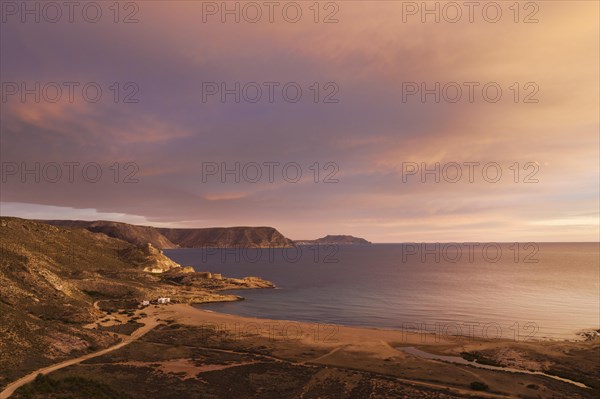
(164, 300)
(145, 303)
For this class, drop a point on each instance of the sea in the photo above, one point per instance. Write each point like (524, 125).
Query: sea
(517, 291)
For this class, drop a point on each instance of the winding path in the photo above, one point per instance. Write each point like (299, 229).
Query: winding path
(137, 334)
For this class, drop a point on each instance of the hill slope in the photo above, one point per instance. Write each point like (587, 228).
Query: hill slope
(136, 235)
(48, 279)
(52, 280)
(227, 237)
(163, 238)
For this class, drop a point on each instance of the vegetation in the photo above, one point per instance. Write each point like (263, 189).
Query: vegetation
(479, 386)
(145, 367)
(50, 279)
(125, 329)
(55, 281)
(68, 388)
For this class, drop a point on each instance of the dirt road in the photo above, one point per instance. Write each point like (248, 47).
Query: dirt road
(11, 388)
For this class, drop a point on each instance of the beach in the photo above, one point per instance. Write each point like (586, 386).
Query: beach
(106, 329)
(381, 285)
(376, 351)
(202, 352)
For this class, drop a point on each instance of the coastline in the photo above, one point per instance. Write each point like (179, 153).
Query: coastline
(579, 335)
(393, 292)
(174, 335)
(379, 349)
(330, 334)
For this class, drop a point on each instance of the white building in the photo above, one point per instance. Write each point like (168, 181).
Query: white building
(164, 300)
(145, 303)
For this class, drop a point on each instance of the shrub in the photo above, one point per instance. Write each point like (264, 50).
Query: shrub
(479, 386)
(69, 387)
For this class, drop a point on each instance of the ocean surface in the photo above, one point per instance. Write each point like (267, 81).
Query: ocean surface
(513, 291)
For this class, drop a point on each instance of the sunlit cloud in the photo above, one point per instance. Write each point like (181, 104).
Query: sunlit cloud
(370, 134)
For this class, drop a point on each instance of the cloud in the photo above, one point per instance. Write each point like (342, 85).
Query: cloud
(369, 134)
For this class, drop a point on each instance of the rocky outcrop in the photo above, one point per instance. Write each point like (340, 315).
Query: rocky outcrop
(215, 281)
(156, 261)
(148, 258)
(590, 335)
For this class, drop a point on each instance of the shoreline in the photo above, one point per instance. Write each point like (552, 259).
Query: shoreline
(351, 351)
(376, 349)
(579, 335)
(326, 334)
(552, 322)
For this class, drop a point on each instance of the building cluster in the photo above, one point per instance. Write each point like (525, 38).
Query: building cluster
(161, 300)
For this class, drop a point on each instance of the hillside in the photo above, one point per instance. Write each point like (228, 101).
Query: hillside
(51, 279)
(334, 240)
(46, 282)
(136, 235)
(227, 237)
(164, 238)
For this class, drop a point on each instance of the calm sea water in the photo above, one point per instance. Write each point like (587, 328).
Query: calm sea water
(548, 291)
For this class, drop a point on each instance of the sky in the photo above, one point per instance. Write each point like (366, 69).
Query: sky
(366, 118)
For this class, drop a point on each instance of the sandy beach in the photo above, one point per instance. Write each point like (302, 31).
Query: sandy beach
(202, 352)
(375, 350)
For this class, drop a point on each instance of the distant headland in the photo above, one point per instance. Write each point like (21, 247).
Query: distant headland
(334, 240)
(207, 237)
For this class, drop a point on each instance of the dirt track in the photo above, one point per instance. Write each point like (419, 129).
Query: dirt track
(11, 388)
